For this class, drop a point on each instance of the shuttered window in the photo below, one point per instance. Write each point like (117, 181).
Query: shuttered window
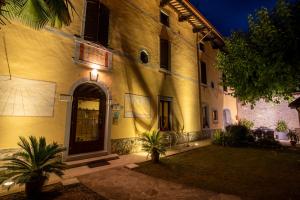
(165, 115)
(96, 22)
(203, 73)
(165, 54)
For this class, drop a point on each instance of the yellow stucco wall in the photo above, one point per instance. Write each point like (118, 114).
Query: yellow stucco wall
(47, 55)
(215, 98)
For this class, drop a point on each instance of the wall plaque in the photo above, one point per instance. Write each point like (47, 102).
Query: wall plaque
(24, 97)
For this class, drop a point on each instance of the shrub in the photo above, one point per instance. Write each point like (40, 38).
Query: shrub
(153, 144)
(244, 122)
(238, 135)
(281, 126)
(267, 143)
(219, 138)
(33, 165)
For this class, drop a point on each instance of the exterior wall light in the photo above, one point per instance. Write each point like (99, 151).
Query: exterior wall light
(94, 75)
(8, 184)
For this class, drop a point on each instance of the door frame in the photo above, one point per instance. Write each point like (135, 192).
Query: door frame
(108, 123)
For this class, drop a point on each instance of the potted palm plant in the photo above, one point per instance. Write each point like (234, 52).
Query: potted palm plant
(152, 142)
(33, 164)
(294, 138)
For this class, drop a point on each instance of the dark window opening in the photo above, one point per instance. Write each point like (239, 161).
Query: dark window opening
(201, 47)
(164, 19)
(215, 115)
(203, 73)
(205, 117)
(96, 22)
(212, 85)
(165, 54)
(165, 115)
(144, 57)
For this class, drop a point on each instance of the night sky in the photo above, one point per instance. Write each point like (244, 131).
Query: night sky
(229, 15)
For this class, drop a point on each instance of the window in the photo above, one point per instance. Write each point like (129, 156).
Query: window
(212, 85)
(215, 116)
(165, 54)
(96, 22)
(201, 47)
(164, 19)
(203, 73)
(205, 117)
(144, 57)
(227, 117)
(165, 114)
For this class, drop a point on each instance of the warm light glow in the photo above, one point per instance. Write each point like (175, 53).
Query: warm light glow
(8, 183)
(94, 75)
(95, 66)
(196, 144)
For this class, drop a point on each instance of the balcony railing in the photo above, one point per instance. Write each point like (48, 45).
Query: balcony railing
(92, 55)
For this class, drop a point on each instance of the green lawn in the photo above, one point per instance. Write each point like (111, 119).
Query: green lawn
(246, 172)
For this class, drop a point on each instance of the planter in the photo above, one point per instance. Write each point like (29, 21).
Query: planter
(155, 157)
(34, 188)
(281, 136)
(293, 143)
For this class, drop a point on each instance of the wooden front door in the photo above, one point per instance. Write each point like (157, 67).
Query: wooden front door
(88, 119)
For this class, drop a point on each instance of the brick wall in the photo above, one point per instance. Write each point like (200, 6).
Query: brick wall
(267, 114)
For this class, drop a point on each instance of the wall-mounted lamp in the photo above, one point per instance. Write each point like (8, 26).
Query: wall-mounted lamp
(94, 75)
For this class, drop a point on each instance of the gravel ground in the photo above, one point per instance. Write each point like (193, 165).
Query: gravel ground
(59, 192)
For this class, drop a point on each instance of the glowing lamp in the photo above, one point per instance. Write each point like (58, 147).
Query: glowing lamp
(8, 184)
(94, 75)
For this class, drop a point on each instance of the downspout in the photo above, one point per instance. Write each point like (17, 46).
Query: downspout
(199, 73)
(199, 82)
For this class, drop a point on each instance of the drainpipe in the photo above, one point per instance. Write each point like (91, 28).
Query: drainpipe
(199, 81)
(199, 73)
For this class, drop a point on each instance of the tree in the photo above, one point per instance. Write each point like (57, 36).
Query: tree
(264, 62)
(37, 13)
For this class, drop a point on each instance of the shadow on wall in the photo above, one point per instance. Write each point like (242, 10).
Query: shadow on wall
(135, 78)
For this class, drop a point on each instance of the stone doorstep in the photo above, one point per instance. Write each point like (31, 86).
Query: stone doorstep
(79, 163)
(131, 166)
(70, 181)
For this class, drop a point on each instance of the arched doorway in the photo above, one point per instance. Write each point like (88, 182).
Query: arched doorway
(88, 119)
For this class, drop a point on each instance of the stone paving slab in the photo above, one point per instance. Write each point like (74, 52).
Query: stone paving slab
(125, 184)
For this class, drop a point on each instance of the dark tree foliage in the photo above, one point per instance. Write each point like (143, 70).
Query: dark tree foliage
(264, 63)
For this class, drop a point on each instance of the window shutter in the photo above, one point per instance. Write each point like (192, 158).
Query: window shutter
(103, 25)
(164, 54)
(91, 20)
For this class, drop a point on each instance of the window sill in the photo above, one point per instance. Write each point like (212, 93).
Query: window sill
(165, 71)
(204, 85)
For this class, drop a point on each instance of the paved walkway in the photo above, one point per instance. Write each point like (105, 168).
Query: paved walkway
(124, 184)
(115, 182)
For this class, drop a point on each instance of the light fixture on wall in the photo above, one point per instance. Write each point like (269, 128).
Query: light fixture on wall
(94, 75)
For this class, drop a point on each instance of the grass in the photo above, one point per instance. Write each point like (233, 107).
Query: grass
(246, 172)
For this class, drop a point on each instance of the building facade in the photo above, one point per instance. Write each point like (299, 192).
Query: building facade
(121, 68)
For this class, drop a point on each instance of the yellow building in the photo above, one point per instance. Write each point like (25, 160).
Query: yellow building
(121, 68)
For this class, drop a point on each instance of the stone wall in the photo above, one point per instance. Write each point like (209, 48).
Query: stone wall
(268, 114)
(4, 153)
(132, 145)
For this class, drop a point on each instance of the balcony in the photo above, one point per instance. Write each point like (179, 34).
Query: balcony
(92, 55)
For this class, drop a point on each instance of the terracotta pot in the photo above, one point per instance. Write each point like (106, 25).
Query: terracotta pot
(34, 188)
(155, 157)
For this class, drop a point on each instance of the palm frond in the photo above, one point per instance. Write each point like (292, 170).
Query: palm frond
(35, 162)
(38, 13)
